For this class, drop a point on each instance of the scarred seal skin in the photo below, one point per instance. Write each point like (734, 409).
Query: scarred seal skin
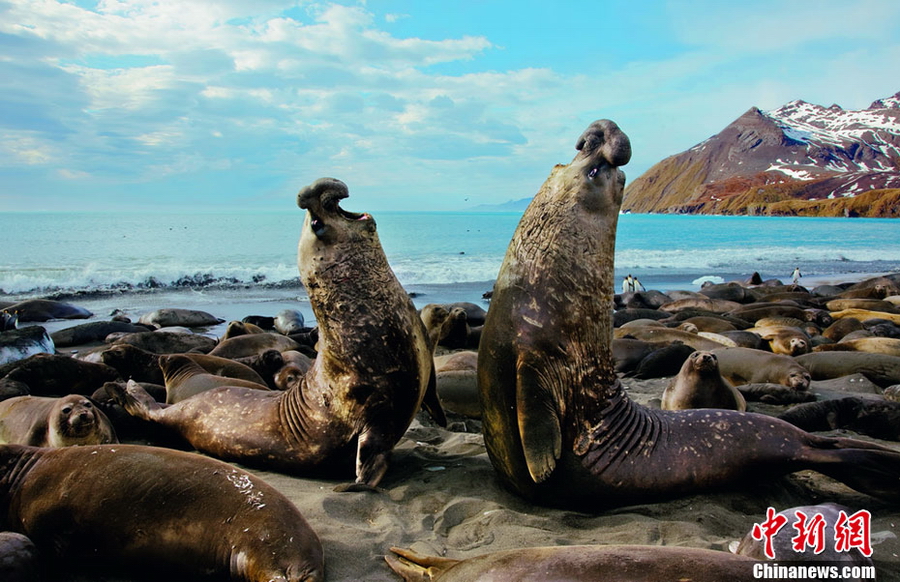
(145, 507)
(373, 371)
(558, 426)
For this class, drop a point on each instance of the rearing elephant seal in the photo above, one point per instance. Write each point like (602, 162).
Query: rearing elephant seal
(558, 426)
(370, 377)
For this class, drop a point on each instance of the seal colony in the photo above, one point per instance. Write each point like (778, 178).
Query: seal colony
(558, 425)
(441, 494)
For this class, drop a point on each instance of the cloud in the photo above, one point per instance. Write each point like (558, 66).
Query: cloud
(250, 100)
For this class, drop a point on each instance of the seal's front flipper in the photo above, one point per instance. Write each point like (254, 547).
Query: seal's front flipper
(431, 403)
(539, 421)
(133, 398)
(414, 567)
(373, 454)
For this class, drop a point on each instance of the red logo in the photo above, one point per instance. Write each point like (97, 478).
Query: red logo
(850, 531)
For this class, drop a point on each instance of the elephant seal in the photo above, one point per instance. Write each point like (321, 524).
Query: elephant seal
(785, 340)
(94, 331)
(172, 317)
(243, 346)
(750, 366)
(19, 559)
(168, 342)
(771, 393)
(373, 372)
(437, 322)
(881, 369)
(47, 309)
(663, 362)
(236, 328)
(54, 422)
(185, 378)
(457, 382)
(699, 385)
(143, 366)
(869, 416)
(865, 315)
(558, 426)
(18, 344)
(289, 322)
(141, 507)
(58, 375)
(613, 563)
(665, 334)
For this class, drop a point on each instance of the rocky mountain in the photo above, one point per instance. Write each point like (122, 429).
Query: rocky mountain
(800, 159)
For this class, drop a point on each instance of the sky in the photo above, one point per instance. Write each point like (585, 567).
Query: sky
(229, 105)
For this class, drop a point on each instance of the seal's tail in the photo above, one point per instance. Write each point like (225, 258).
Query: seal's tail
(134, 399)
(866, 467)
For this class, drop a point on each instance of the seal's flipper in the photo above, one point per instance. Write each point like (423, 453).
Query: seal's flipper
(414, 567)
(432, 403)
(539, 421)
(866, 467)
(134, 399)
(372, 456)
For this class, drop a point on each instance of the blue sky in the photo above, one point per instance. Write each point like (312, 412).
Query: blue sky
(417, 105)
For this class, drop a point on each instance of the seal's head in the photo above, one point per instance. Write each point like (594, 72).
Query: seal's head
(799, 380)
(78, 421)
(704, 362)
(326, 220)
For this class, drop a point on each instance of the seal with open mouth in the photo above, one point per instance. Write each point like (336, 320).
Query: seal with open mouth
(373, 371)
(558, 426)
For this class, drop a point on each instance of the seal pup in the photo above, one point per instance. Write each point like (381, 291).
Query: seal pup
(146, 507)
(613, 563)
(700, 385)
(558, 426)
(373, 372)
(54, 422)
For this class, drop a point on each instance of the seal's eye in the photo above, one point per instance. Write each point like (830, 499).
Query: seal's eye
(66, 409)
(86, 404)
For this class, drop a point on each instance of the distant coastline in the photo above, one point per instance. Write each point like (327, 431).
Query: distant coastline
(509, 206)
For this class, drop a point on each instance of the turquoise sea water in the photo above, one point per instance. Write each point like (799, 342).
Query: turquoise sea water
(82, 253)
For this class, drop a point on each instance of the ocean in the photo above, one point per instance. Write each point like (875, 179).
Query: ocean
(141, 261)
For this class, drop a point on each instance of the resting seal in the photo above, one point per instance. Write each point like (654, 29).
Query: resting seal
(366, 385)
(172, 317)
(254, 344)
(558, 426)
(870, 416)
(750, 366)
(143, 366)
(577, 564)
(47, 309)
(58, 375)
(54, 422)
(155, 508)
(699, 385)
(185, 378)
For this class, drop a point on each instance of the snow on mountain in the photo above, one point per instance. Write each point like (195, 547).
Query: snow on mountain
(796, 154)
